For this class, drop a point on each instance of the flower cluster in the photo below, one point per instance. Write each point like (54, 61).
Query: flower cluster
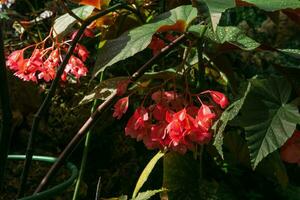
(43, 62)
(171, 121)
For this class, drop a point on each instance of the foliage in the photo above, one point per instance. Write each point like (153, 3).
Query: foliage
(218, 100)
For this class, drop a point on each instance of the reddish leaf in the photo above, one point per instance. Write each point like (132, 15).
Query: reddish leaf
(290, 151)
(96, 3)
(179, 26)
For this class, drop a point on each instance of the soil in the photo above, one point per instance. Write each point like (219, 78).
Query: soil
(37, 172)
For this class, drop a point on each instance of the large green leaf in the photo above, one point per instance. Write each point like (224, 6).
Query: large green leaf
(136, 40)
(267, 117)
(63, 24)
(216, 8)
(232, 35)
(272, 5)
(274, 168)
(146, 172)
(230, 113)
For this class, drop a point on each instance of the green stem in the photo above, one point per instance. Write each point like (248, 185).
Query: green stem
(85, 153)
(6, 126)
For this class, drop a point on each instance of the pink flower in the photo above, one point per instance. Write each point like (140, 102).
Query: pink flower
(180, 124)
(138, 126)
(218, 97)
(76, 67)
(82, 52)
(121, 107)
(204, 117)
(15, 60)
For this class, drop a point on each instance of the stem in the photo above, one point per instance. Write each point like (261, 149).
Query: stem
(47, 100)
(70, 12)
(85, 153)
(7, 116)
(93, 118)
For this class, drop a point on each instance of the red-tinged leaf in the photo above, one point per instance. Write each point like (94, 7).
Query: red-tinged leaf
(290, 151)
(293, 14)
(96, 3)
(179, 26)
(242, 3)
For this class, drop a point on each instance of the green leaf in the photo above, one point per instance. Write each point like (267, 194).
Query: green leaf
(232, 35)
(274, 168)
(216, 8)
(267, 117)
(291, 52)
(181, 176)
(138, 39)
(273, 5)
(146, 172)
(230, 113)
(103, 90)
(148, 194)
(64, 23)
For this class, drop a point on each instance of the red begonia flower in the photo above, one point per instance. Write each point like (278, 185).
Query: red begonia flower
(138, 124)
(121, 107)
(82, 52)
(218, 97)
(15, 60)
(204, 117)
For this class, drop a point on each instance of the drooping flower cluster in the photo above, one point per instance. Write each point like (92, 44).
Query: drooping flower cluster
(171, 121)
(43, 62)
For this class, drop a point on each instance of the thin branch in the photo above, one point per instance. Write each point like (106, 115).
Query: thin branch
(70, 12)
(96, 115)
(47, 100)
(5, 104)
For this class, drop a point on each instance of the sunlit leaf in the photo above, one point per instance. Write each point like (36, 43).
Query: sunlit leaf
(64, 23)
(271, 5)
(232, 35)
(291, 52)
(230, 113)
(138, 39)
(146, 172)
(216, 8)
(147, 194)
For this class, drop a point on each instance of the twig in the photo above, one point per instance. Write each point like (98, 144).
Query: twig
(5, 104)
(47, 100)
(98, 190)
(85, 152)
(93, 118)
(70, 12)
